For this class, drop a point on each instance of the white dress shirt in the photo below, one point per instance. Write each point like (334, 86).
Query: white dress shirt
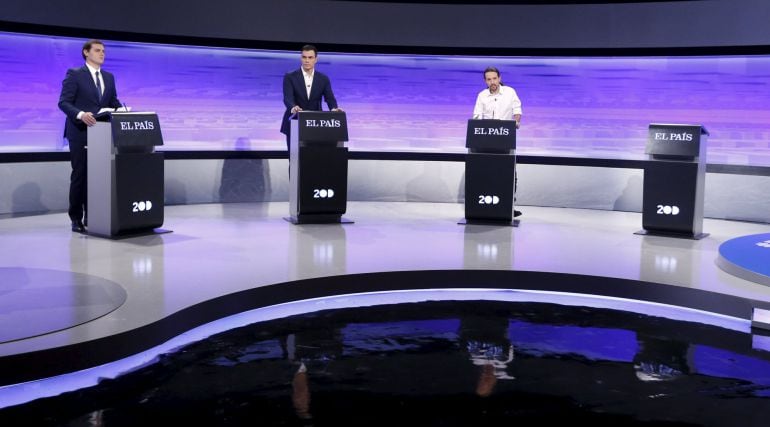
(501, 105)
(308, 80)
(93, 71)
(93, 76)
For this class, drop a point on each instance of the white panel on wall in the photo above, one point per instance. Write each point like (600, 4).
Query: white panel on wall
(43, 187)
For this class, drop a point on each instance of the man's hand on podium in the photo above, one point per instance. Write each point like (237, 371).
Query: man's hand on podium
(338, 109)
(295, 109)
(88, 118)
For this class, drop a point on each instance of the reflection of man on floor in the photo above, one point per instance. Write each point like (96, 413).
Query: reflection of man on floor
(486, 339)
(310, 350)
(661, 359)
(300, 393)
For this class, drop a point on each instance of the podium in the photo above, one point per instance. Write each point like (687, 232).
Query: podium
(318, 168)
(674, 181)
(490, 168)
(125, 175)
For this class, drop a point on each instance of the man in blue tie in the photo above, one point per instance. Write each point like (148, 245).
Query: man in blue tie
(85, 90)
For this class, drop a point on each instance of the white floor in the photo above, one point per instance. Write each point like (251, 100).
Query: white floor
(220, 249)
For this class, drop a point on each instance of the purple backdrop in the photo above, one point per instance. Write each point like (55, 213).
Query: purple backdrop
(224, 99)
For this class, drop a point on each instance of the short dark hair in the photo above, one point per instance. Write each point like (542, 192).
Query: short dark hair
(491, 69)
(88, 44)
(310, 47)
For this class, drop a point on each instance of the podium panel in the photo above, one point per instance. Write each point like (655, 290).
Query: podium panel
(138, 198)
(125, 175)
(318, 168)
(674, 181)
(669, 203)
(323, 188)
(489, 187)
(490, 168)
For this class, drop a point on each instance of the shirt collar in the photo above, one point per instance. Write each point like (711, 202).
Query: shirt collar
(92, 69)
(310, 74)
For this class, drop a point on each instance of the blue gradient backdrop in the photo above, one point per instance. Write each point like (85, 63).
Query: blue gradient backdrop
(226, 99)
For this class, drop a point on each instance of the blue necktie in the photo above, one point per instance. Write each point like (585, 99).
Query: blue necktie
(98, 86)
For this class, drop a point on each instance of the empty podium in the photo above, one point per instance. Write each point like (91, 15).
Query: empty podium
(125, 175)
(318, 168)
(490, 167)
(674, 181)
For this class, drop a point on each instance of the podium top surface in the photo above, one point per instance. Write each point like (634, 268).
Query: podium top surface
(305, 113)
(106, 115)
(703, 129)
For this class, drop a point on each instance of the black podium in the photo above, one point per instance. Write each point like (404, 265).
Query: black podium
(490, 167)
(318, 168)
(674, 181)
(125, 175)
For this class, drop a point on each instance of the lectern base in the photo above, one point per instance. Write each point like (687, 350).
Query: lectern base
(672, 234)
(130, 234)
(500, 223)
(317, 219)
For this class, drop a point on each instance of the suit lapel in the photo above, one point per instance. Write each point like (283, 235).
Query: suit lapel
(108, 85)
(300, 82)
(313, 87)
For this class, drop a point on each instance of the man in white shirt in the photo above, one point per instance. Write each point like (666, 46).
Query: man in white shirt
(497, 101)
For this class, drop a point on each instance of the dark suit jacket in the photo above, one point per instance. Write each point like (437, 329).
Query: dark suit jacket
(295, 93)
(79, 93)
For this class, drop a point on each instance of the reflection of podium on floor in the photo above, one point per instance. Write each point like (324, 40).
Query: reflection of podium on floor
(674, 181)
(487, 247)
(125, 176)
(318, 168)
(490, 168)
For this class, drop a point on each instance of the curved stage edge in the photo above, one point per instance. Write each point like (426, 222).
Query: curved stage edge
(41, 364)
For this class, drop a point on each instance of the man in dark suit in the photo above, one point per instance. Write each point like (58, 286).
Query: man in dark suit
(85, 90)
(304, 88)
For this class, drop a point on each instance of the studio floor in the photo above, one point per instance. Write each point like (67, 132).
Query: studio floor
(219, 249)
(62, 290)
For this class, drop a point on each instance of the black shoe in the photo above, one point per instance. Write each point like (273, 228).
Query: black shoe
(516, 213)
(78, 227)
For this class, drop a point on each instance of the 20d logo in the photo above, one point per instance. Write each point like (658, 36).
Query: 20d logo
(141, 206)
(324, 193)
(488, 200)
(668, 210)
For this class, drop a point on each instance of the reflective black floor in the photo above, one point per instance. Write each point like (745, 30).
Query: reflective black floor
(450, 363)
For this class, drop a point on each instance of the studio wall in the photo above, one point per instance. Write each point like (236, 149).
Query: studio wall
(681, 24)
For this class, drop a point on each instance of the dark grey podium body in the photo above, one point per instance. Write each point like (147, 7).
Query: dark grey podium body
(125, 175)
(674, 180)
(490, 166)
(318, 168)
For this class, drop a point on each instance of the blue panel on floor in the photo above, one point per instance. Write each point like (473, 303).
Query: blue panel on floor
(751, 253)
